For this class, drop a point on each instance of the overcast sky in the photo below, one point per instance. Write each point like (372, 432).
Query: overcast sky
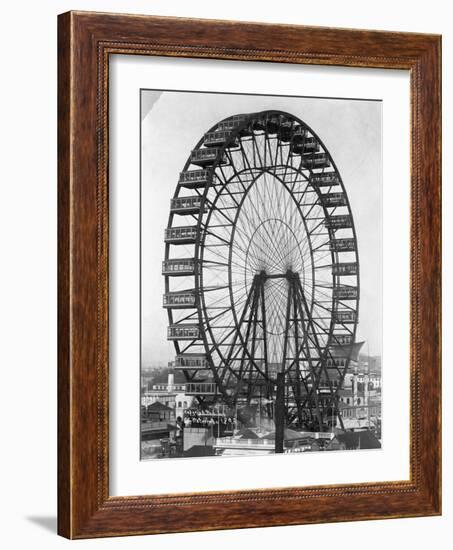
(172, 124)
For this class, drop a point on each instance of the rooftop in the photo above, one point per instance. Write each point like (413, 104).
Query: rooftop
(158, 406)
(199, 450)
(359, 440)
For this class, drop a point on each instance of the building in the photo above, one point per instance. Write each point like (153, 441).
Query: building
(168, 391)
(360, 400)
(183, 402)
(247, 442)
(158, 421)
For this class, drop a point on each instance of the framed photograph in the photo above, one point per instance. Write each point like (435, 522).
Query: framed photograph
(249, 275)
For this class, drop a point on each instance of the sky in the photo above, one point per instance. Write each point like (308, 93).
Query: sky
(172, 124)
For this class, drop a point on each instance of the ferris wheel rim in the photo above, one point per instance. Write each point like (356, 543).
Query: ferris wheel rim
(199, 270)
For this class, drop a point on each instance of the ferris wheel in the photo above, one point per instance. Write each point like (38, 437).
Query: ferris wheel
(261, 269)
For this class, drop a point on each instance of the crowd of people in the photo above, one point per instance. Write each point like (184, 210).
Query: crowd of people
(197, 419)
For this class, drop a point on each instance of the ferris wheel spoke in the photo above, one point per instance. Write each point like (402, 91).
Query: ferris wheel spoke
(319, 246)
(219, 210)
(225, 242)
(232, 197)
(245, 158)
(236, 294)
(267, 146)
(218, 254)
(256, 152)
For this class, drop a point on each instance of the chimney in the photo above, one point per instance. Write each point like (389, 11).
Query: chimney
(171, 382)
(366, 388)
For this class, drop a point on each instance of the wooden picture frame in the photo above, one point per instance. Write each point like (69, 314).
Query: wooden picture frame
(85, 42)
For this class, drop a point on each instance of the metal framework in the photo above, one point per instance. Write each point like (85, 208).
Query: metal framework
(262, 271)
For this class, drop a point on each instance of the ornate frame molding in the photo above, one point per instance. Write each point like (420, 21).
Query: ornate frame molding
(86, 40)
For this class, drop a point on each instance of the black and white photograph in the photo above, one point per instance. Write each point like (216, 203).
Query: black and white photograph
(225, 286)
(261, 274)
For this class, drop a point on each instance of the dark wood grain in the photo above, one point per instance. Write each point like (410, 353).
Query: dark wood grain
(64, 369)
(85, 42)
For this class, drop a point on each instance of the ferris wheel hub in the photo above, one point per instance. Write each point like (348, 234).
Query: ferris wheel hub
(289, 274)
